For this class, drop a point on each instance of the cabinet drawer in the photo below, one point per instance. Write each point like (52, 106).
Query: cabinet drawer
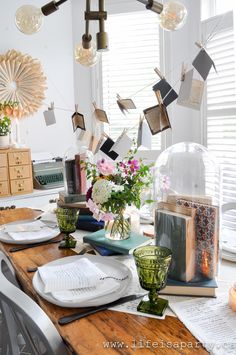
(19, 158)
(20, 172)
(4, 188)
(21, 186)
(3, 159)
(3, 174)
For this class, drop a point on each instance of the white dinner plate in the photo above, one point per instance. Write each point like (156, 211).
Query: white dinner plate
(106, 264)
(5, 237)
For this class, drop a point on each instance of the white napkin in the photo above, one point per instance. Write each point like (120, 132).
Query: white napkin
(43, 233)
(24, 227)
(103, 287)
(80, 274)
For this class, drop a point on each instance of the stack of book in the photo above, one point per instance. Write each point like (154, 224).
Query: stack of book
(106, 246)
(189, 226)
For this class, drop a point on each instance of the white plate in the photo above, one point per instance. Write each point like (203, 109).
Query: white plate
(5, 237)
(106, 265)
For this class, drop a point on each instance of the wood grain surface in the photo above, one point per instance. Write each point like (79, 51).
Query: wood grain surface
(106, 332)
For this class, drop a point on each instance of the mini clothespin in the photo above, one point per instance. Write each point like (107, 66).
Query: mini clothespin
(52, 106)
(183, 71)
(158, 72)
(199, 44)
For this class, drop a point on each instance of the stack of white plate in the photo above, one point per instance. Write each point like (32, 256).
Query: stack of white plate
(228, 238)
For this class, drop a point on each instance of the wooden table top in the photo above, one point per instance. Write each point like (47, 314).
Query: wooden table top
(106, 332)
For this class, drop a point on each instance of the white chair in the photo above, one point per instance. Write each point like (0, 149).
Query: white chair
(24, 322)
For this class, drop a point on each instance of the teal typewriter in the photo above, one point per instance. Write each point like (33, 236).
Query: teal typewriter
(48, 174)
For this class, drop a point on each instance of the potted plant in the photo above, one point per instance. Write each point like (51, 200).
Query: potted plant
(7, 110)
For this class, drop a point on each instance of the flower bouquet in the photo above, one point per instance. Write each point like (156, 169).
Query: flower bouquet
(114, 187)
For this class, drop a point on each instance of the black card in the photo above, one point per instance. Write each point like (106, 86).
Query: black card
(106, 148)
(203, 63)
(167, 92)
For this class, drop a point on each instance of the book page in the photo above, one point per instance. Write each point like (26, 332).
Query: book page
(211, 321)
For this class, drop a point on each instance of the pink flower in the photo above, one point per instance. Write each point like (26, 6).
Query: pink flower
(165, 183)
(133, 165)
(107, 216)
(93, 207)
(105, 167)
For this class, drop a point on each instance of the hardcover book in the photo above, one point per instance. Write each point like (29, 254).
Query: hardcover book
(207, 236)
(120, 246)
(176, 231)
(204, 288)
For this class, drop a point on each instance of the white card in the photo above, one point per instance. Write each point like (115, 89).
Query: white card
(122, 145)
(144, 140)
(191, 91)
(49, 117)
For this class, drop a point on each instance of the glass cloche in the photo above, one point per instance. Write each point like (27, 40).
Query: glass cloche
(187, 191)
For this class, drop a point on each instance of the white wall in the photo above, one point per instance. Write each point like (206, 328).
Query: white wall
(53, 46)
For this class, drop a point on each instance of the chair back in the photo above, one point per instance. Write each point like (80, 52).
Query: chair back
(25, 324)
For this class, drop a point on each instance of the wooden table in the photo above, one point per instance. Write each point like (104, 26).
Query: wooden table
(106, 332)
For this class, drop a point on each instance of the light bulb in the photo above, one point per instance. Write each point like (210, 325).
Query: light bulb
(29, 19)
(87, 57)
(173, 16)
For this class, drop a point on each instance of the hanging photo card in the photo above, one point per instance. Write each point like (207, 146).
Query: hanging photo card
(78, 120)
(85, 137)
(122, 145)
(144, 140)
(99, 144)
(100, 114)
(125, 104)
(94, 141)
(191, 91)
(167, 92)
(49, 115)
(203, 63)
(106, 148)
(157, 118)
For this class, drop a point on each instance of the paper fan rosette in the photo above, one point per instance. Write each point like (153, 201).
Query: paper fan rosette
(22, 80)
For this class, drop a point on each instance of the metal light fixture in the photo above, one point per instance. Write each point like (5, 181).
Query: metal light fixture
(29, 20)
(173, 14)
(86, 53)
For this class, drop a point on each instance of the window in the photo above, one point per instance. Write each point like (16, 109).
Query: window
(128, 69)
(212, 8)
(221, 105)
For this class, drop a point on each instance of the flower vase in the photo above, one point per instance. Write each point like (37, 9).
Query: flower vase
(4, 141)
(119, 228)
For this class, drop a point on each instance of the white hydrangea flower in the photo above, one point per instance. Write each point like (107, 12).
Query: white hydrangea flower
(101, 191)
(116, 188)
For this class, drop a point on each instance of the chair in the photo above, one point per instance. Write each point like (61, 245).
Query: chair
(24, 322)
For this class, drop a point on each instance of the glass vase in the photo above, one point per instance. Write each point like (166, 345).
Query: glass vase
(119, 228)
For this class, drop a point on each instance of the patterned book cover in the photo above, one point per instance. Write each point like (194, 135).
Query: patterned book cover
(207, 237)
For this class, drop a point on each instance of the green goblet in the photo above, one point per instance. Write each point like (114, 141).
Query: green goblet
(152, 264)
(67, 221)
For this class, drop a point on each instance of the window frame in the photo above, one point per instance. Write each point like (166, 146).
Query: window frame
(125, 6)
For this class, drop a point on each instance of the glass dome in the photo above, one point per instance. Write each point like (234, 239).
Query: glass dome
(75, 180)
(187, 191)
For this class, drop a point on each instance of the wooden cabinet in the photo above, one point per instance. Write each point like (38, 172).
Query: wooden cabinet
(15, 172)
